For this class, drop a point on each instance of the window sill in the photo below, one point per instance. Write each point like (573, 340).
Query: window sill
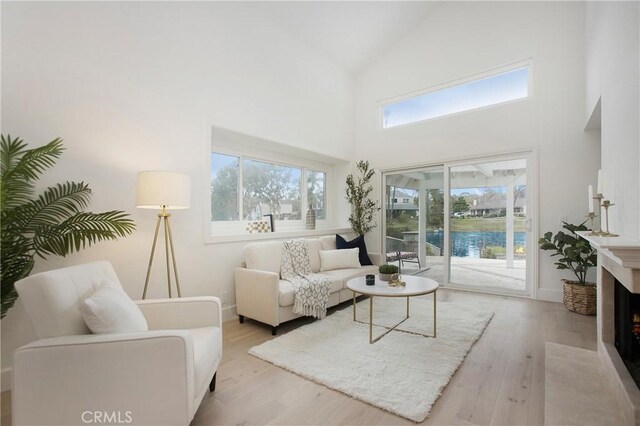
(278, 235)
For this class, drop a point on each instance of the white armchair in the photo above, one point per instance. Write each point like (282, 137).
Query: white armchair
(71, 376)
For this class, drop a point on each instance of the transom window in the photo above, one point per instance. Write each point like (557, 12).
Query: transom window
(476, 93)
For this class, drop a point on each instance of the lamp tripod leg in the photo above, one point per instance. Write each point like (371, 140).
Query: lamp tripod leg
(153, 250)
(173, 258)
(166, 252)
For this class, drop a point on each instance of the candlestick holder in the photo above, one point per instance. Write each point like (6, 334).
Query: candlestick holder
(592, 216)
(598, 199)
(606, 204)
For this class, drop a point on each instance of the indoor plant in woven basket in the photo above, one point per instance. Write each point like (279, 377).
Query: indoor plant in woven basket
(576, 255)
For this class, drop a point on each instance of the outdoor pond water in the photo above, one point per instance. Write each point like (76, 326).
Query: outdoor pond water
(470, 243)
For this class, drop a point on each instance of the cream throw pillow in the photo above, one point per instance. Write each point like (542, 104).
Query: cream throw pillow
(339, 259)
(110, 310)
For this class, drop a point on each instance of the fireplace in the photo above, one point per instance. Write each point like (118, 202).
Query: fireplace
(618, 286)
(627, 329)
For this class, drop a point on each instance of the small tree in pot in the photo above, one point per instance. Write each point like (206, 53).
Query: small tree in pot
(576, 255)
(363, 209)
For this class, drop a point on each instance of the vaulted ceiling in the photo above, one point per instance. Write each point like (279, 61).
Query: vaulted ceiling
(350, 33)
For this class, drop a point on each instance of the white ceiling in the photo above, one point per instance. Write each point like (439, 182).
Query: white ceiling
(351, 33)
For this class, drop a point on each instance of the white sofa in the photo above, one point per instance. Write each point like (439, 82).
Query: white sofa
(73, 377)
(261, 294)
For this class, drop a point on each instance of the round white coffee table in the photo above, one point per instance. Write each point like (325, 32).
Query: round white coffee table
(416, 286)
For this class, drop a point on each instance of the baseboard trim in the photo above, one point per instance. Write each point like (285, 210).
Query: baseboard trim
(229, 313)
(5, 380)
(549, 295)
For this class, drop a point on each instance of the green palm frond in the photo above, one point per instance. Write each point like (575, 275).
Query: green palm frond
(80, 231)
(56, 204)
(53, 223)
(21, 166)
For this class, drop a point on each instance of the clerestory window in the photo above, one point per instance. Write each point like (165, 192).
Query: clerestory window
(471, 94)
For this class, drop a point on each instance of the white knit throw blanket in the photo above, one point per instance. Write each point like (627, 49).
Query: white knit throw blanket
(311, 290)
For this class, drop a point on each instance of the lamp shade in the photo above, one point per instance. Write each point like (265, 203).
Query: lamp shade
(158, 189)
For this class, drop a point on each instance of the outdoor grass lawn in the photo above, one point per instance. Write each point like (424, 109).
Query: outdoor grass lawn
(469, 224)
(496, 224)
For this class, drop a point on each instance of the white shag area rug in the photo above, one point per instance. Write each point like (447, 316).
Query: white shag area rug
(402, 373)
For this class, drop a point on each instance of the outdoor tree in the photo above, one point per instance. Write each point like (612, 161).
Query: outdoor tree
(269, 184)
(315, 191)
(460, 205)
(519, 191)
(435, 218)
(224, 194)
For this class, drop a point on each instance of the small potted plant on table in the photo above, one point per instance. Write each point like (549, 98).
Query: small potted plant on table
(386, 271)
(576, 255)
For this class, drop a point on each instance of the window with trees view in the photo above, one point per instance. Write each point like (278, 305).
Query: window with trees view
(245, 189)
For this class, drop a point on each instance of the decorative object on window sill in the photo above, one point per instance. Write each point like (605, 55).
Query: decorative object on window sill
(577, 255)
(258, 226)
(310, 222)
(272, 224)
(165, 191)
(363, 209)
(51, 223)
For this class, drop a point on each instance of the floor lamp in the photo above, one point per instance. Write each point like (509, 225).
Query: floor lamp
(164, 191)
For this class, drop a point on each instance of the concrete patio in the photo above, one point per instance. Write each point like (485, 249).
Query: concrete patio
(473, 271)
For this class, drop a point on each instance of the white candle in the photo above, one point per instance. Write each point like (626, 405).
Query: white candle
(600, 181)
(590, 199)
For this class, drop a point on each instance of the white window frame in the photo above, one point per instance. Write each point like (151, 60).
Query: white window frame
(231, 143)
(279, 224)
(525, 63)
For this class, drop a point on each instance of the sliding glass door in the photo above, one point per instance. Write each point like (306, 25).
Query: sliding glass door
(466, 224)
(488, 233)
(414, 221)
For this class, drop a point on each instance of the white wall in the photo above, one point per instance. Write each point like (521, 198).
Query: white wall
(461, 39)
(613, 74)
(137, 86)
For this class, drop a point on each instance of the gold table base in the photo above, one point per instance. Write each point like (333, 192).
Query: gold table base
(395, 327)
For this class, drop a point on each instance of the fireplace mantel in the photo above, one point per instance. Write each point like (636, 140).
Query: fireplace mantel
(626, 251)
(618, 259)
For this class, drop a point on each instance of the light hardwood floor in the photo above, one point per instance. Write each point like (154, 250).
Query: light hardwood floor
(501, 382)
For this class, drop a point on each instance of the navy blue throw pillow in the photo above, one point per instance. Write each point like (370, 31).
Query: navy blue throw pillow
(357, 242)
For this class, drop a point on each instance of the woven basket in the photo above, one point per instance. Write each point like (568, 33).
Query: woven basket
(579, 298)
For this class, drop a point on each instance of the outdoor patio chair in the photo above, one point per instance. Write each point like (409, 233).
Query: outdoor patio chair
(398, 251)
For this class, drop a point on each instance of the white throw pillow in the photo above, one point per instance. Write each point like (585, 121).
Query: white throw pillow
(339, 259)
(110, 310)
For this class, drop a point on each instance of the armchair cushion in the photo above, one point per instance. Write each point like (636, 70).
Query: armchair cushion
(110, 310)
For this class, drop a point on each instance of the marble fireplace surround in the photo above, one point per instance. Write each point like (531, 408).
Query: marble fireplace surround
(618, 258)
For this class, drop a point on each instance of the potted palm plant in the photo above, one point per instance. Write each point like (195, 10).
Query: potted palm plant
(576, 255)
(51, 223)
